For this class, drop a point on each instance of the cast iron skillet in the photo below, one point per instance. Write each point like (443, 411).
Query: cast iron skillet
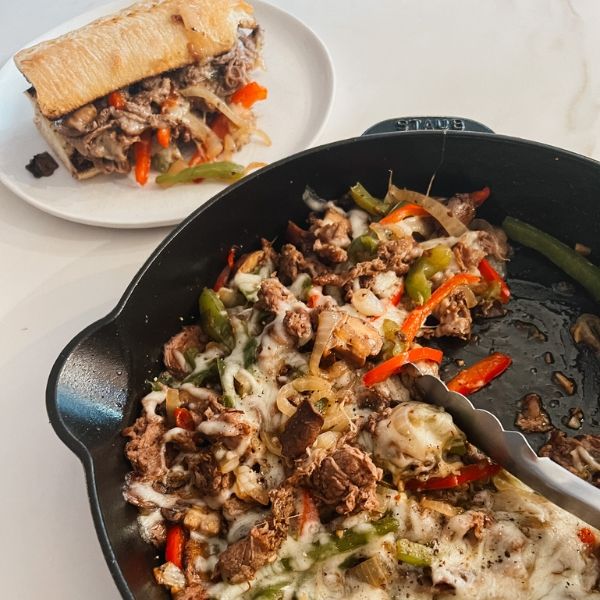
(97, 380)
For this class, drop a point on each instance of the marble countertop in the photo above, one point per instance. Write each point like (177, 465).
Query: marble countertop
(529, 68)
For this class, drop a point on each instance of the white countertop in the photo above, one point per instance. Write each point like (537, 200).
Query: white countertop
(529, 68)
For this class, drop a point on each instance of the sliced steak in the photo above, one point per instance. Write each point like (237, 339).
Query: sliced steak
(240, 561)
(207, 476)
(454, 316)
(298, 324)
(532, 418)
(301, 430)
(346, 480)
(190, 337)
(144, 448)
(580, 454)
(462, 207)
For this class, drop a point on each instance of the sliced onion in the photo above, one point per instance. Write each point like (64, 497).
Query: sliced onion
(271, 442)
(172, 402)
(327, 439)
(201, 91)
(436, 209)
(247, 486)
(328, 320)
(319, 387)
(442, 507)
(367, 303)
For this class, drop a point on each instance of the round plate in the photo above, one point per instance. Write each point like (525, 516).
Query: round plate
(300, 80)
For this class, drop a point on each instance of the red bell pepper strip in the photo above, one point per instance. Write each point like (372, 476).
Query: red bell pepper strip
(116, 100)
(417, 317)
(586, 536)
(490, 274)
(163, 136)
(249, 94)
(142, 157)
(397, 297)
(480, 196)
(184, 419)
(224, 274)
(408, 210)
(387, 368)
(309, 513)
(480, 374)
(467, 474)
(175, 545)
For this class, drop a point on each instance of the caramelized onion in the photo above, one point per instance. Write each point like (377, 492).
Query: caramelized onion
(436, 209)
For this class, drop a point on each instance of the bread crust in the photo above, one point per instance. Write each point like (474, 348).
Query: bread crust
(143, 40)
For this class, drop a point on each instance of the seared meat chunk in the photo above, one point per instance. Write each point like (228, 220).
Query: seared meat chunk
(352, 339)
(454, 315)
(195, 591)
(272, 294)
(301, 430)
(240, 561)
(298, 324)
(332, 236)
(580, 454)
(462, 207)
(190, 337)
(532, 417)
(392, 255)
(208, 478)
(144, 448)
(292, 262)
(346, 480)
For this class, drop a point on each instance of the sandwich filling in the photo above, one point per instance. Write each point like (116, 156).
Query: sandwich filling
(192, 106)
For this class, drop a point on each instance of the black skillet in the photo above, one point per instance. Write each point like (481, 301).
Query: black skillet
(97, 380)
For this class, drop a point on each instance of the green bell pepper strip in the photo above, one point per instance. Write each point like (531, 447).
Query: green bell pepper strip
(392, 343)
(413, 554)
(417, 284)
(271, 592)
(362, 248)
(571, 262)
(368, 203)
(352, 539)
(214, 318)
(212, 170)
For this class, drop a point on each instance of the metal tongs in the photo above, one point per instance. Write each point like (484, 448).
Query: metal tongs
(512, 451)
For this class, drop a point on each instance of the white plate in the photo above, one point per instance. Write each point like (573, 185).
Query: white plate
(299, 76)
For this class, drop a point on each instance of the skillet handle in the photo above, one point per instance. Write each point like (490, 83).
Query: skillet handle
(427, 124)
(86, 392)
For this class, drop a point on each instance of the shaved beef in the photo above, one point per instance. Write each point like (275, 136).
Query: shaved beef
(392, 255)
(532, 417)
(297, 323)
(272, 294)
(144, 448)
(580, 454)
(332, 236)
(301, 430)
(207, 476)
(195, 591)
(240, 561)
(462, 207)
(346, 480)
(292, 262)
(299, 237)
(173, 351)
(454, 316)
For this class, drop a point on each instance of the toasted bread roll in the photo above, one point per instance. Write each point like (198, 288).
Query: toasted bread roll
(145, 39)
